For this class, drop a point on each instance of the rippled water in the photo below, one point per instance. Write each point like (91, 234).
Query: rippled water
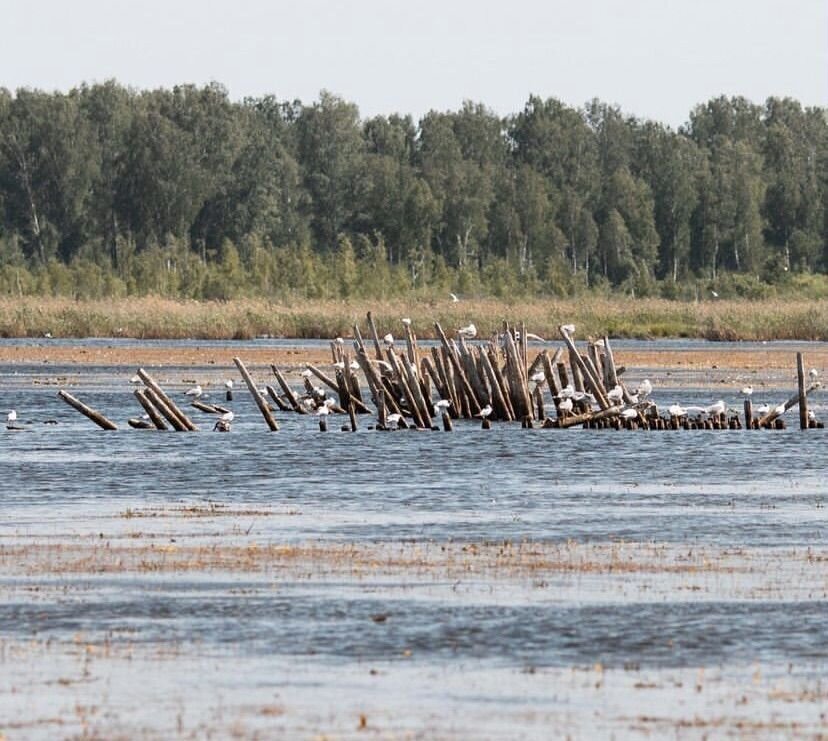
(737, 489)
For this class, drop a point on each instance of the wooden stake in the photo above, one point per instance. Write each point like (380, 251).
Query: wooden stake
(89, 412)
(149, 382)
(162, 407)
(803, 397)
(150, 409)
(264, 408)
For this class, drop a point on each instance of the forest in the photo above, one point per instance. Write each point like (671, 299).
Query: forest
(109, 191)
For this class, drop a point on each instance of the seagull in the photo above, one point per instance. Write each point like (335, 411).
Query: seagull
(565, 405)
(583, 396)
(11, 417)
(747, 391)
(763, 409)
(780, 410)
(538, 377)
(394, 420)
(485, 411)
(135, 379)
(323, 410)
(454, 298)
(340, 365)
(629, 413)
(718, 407)
(228, 384)
(194, 391)
(353, 365)
(339, 341)
(568, 328)
(645, 389)
(813, 373)
(441, 406)
(383, 364)
(567, 392)
(676, 410)
(388, 340)
(227, 417)
(470, 331)
(616, 394)
(714, 294)
(406, 322)
(811, 415)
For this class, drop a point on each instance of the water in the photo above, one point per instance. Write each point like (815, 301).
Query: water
(759, 495)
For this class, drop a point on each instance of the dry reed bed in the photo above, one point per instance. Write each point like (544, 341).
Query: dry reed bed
(152, 317)
(444, 561)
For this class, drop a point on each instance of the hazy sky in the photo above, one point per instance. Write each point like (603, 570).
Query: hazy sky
(654, 58)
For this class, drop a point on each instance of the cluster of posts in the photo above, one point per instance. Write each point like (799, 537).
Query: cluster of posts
(461, 378)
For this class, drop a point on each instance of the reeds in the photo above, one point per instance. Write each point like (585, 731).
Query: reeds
(158, 318)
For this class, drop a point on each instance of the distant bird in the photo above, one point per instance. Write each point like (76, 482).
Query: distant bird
(813, 373)
(538, 378)
(629, 413)
(762, 409)
(583, 396)
(388, 340)
(568, 328)
(567, 392)
(645, 388)
(323, 410)
(714, 294)
(47, 335)
(747, 391)
(718, 407)
(339, 341)
(135, 379)
(485, 411)
(406, 322)
(228, 384)
(306, 373)
(811, 415)
(11, 416)
(565, 405)
(227, 417)
(616, 394)
(470, 332)
(194, 391)
(454, 298)
(393, 420)
(340, 365)
(676, 410)
(780, 410)
(353, 365)
(441, 406)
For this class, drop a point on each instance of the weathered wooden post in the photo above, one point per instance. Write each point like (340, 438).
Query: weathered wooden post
(264, 408)
(150, 383)
(150, 409)
(87, 411)
(748, 414)
(803, 398)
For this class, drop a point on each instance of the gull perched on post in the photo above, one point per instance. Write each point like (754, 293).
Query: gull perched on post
(485, 411)
(565, 405)
(469, 332)
(747, 391)
(441, 406)
(568, 328)
(388, 340)
(644, 389)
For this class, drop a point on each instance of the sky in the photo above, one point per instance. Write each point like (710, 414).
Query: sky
(655, 59)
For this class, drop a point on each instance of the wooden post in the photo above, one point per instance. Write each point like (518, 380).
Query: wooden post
(458, 370)
(748, 414)
(162, 407)
(274, 397)
(352, 417)
(538, 394)
(264, 408)
(499, 399)
(89, 412)
(447, 426)
(803, 398)
(594, 385)
(771, 416)
(150, 409)
(288, 391)
(149, 382)
(323, 422)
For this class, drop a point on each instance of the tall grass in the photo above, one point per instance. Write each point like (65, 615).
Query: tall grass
(158, 318)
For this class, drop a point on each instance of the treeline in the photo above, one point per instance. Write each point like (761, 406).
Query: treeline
(106, 190)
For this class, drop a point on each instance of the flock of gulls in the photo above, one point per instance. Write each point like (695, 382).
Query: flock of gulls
(464, 377)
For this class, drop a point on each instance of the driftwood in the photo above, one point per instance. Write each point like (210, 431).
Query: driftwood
(150, 409)
(185, 422)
